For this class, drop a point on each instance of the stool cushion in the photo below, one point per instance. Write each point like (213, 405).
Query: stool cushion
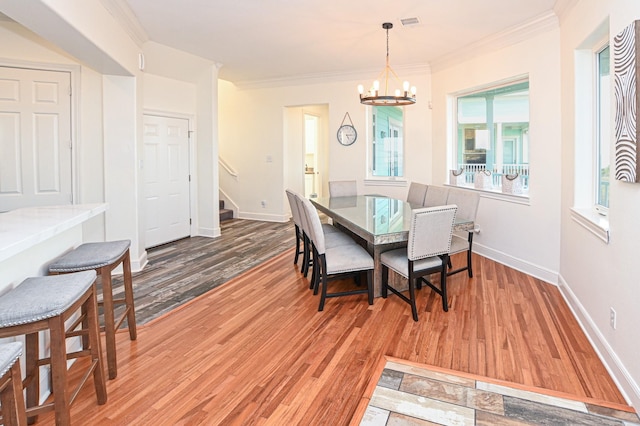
(40, 298)
(9, 354)
(90, 256)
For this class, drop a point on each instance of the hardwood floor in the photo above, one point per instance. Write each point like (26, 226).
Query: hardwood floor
(257, 351)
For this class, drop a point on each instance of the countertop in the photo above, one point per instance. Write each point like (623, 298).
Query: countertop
(22, 229)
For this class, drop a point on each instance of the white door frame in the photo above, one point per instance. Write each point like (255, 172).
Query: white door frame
(74, 71)
(193, 180)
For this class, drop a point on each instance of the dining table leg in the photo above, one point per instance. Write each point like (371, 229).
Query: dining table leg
(394, 279)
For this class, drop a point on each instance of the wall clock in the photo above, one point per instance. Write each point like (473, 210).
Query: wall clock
(347, 133)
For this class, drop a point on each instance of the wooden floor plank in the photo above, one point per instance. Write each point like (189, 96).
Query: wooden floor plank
(256, 350)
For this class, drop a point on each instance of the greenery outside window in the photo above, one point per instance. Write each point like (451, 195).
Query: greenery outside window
(492, 127)
(386, 157)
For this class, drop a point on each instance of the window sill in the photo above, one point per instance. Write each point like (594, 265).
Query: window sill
(401, 182)
(593, 222)
(496, 194)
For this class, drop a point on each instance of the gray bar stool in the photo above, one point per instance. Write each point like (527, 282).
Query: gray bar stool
(104, 258)
(46, 303)
(11, 397)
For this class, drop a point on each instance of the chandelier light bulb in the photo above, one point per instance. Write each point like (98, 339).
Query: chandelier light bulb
(413, 90)
(376, 85)
(397, 92)
(405, 86)
(360, 89)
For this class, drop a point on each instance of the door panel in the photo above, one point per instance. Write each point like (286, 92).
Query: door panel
(35, 138)
(166, 179)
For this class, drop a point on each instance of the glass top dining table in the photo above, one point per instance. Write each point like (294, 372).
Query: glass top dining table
(375, 218)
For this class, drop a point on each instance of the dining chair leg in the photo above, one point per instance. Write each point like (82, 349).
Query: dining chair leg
(315, 275)
(323, 272)
(412, 299)
(443, 288)
(295, 260)
(305, 256)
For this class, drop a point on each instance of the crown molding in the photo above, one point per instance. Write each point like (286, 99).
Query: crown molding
(124, 16)
(538, 25)
(300, 80)
(563, 7)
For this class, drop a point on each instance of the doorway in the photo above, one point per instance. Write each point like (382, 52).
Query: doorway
(306, 149)
(166, 179)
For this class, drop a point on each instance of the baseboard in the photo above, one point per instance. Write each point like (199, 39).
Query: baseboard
(209, 232)
(528, 268)
(139, 264)
(628, 387)
(266, 217)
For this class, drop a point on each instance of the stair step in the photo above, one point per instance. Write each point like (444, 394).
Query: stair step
(226, 214)
(221, 204)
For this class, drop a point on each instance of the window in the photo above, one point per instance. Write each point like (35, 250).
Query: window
(493, 132)
(387, 144)
(592, 128)
(603, 120)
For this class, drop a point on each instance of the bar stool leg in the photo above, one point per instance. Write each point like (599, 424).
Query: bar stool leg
(32, 354)
(109, 321)
(58, 348)
(91, 309)
(128, 296)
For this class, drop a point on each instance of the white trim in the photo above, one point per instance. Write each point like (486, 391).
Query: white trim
(386, 182)
(265, 217)
(496, 195)
(521, 265)
(628, 387)
(593, 222)
(209, 232)
(138, 265)
(516, 34)
(127, 20)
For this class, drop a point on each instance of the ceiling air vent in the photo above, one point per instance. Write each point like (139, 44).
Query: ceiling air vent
(408, 22)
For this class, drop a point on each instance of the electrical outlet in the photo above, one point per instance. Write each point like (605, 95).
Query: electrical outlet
(263, 203)
(612, 318)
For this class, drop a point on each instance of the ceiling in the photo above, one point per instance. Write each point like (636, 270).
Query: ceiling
(257, 40)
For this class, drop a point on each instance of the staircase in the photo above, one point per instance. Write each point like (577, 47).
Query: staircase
(225, 214)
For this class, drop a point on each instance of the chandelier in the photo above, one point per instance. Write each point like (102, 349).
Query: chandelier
(375, 97)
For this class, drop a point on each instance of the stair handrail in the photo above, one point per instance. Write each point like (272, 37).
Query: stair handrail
(227, 167)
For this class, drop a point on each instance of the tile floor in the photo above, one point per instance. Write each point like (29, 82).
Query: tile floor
(409, 395)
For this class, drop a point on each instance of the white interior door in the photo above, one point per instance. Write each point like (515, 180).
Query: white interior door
(166, 179)
(35, 138)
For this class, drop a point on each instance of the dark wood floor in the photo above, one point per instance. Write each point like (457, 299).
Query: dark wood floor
(256, 350)
(180, 271)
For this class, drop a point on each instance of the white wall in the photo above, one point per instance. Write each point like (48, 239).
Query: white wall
(511, 232)
(252, 129)
(596, 276)
(169, 95)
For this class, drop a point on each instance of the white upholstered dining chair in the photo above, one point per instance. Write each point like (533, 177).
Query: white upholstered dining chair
(343, 188)
(435, 196)
(335, 261)
(416, 193)
(427, 252)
